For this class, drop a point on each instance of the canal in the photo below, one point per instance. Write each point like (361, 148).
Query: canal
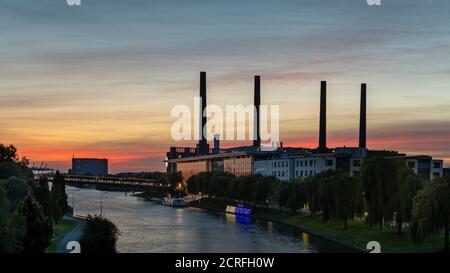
(148, 227)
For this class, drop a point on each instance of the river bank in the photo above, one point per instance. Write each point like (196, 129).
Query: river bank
(68, 229)
(356, 236)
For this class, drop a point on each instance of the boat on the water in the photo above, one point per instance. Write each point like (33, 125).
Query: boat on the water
(174, 202)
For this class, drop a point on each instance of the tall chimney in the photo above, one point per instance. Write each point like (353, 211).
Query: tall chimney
(362, 118)
(257, 103)
(202, 147)
(323, 117)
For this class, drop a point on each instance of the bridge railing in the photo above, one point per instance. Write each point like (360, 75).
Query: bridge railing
(111, 180)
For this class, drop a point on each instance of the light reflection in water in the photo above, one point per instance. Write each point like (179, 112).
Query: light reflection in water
(305, 237)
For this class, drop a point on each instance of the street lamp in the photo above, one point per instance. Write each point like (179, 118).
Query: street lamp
(73, 199)
(101, 202)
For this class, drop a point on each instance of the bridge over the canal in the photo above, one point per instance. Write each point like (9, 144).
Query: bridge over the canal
(111, 182)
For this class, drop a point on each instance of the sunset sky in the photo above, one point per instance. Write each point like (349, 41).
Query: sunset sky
(100, 80)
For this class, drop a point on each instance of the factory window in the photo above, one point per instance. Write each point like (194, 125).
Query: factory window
(301, 173)
(296, 163)
(310, 163)
(356, 163)
(436, 174)
(412, 164)
(296, 173)
(436, 165)
(314, 162)
(310, 172)
(301, 163)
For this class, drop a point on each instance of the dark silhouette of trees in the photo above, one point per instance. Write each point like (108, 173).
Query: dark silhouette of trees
(431, 211)
(4, 222)
(38, 230)
(379, 176)
(389, 186)
(11, 165)
(347, 197)
(16, 191)
(407, 184)
(42, 195)
(174, 178)
(58, 195)
(100, 236)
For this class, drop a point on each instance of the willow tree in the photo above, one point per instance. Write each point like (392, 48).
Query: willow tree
(431, 211)
(379, 176)
(348, 197)
(407, 185)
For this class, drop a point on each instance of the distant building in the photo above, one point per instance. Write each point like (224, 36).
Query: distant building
(90, 166)
(425, 165)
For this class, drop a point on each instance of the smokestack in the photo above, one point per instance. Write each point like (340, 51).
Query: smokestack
(202, 147)
(323, 117)
(362, 118)
(257, 103)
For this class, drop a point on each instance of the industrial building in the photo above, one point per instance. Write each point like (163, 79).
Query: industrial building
(89, 166)
(286, 163)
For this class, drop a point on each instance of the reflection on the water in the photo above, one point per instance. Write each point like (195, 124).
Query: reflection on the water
(243, 219)
(305, 238)
(148, 227)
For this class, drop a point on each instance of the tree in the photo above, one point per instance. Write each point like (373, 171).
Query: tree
(407, 185)
(326, 191)
(42, 195)
(311, 188)
(246, 188)
(284, 192)
(174, 179)
(4, 222)
(265, 188)
(100, 236)
(431, 211)
(16, 191)
(295, 193)
(38, 229)
(9, 154)
(58, 197)
(348, 196)
(379, 176)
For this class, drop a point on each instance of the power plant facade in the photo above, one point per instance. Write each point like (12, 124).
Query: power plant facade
(287, 163)
(89, 166)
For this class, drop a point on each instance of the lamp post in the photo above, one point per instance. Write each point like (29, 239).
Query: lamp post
(73, 199)
(101, 202)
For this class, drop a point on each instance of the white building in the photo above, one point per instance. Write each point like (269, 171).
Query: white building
(308, 164)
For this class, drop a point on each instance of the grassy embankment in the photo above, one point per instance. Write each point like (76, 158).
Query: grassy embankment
(64, 226)
(358, 234)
